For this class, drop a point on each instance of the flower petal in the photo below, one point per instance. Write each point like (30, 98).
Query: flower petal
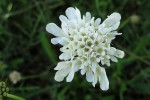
(70, 76)
(112, 22)
(71, 13)
(60, 40)
(88, 16)
(65, 56)
(61, 65)
(76, 66)
(97, 21)
(78, 14)
(59, 76)
(89, 76)
(112, 50)
(83, 71)
(119, 54)
(104, 83)
(54, 29)
(54, 41)
(94, 79)
(114, 59)
(63, 18)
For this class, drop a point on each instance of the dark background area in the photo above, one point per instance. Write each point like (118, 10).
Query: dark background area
(25, 47)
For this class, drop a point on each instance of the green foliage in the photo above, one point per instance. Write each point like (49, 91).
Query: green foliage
(48, 49)
(25, 46)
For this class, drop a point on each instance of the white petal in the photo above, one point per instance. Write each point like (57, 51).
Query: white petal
(106, 30)
(70, 76)
(76, 66)
(114, 59)
(98, 59)
(102, 62)
(63, 49)
(71, 13)
(73, 24)
(61, 65)
(112, 50)
(112, 21)
(119, 54)
(89, 76)
(104, 83)
(94, 65)
(60, 40)
(54, 41)
(115, 15)
(63, 18)
(65, 56)
(108, 62)
(59, 76)
(115, 26)
(114, 33)
(88, 16)
(83, 71)
(94, 79)
(54, 29)
(78, 14)
(97, 21)
(65, 26)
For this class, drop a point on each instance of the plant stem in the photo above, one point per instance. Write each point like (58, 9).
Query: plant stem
(14, 97)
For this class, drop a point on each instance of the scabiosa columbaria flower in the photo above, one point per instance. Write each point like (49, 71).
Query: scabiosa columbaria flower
(86, 46)
(15, 77)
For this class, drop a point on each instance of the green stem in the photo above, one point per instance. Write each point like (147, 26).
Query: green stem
(14, 97)
(35, 76)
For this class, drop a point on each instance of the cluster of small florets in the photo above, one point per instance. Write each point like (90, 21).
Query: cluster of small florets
(3, 89)
(86, 44)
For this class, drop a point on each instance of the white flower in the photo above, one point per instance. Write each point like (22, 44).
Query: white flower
(86, 44)
(15, 77)
(135, 19)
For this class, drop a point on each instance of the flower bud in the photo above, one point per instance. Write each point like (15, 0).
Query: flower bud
(15, 77)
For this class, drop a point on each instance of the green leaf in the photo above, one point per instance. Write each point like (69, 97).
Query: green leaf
(16, 62)
(48, 48)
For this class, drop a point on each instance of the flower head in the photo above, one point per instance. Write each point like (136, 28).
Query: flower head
(86, 45)
(15, 77)
(3, 89)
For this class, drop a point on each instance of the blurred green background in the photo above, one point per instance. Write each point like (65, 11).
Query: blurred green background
(25, 47)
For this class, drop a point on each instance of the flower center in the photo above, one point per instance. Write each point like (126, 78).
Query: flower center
(86, 45)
